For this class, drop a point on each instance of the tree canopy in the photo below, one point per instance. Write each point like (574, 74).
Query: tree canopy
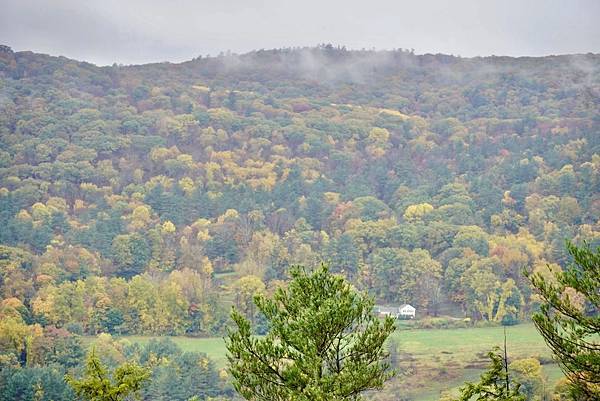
(323, 342)
(99, 385)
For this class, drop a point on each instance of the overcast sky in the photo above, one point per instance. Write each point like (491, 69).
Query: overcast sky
(137, 31)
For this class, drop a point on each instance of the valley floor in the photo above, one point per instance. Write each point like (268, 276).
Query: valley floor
(429, 361)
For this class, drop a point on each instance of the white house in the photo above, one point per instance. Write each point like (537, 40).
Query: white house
(407, 311)
(404, 311)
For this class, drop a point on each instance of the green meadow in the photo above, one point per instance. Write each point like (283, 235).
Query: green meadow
(446, 346)
(213, 347)
(437, 359)
(465, 344)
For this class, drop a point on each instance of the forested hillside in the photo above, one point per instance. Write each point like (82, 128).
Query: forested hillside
(145, 199)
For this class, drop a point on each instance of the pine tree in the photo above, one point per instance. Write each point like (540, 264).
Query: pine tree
(572, 329)
(97, 384)
(494, 384)
(324, 343)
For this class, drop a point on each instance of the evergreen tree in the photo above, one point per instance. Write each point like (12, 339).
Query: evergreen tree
(494, 384)
(324, 343)
(97, 384)
(571, 328)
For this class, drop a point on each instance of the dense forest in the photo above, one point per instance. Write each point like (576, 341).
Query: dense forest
(146, 200)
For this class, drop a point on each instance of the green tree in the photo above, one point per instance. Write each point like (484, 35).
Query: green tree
(33, 384)
(97, 384)
(571, 328)
(494, 384)
(344, 255)
(324, 342)
(131, 254)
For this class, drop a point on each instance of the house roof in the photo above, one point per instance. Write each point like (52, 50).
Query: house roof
(404, 305)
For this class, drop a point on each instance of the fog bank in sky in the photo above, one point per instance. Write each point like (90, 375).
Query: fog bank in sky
(137, 31)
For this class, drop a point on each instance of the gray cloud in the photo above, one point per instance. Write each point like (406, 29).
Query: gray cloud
(141, 31)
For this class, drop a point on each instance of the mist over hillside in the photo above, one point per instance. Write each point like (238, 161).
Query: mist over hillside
(368, 74)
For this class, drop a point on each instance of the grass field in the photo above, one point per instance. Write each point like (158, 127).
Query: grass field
(214, 347)
(445, 359)
(463, 345)
(440, 359)
(452, 345)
